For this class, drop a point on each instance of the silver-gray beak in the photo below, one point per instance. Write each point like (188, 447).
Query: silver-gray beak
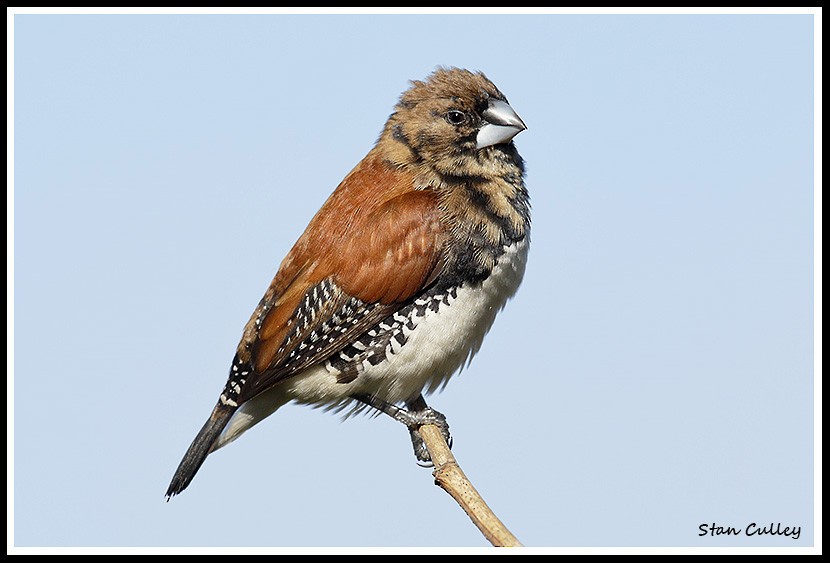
(501, 124)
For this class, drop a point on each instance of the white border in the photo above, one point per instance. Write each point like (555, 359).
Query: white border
(817, 520)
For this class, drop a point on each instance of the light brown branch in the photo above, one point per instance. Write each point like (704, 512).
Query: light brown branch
(448, 476)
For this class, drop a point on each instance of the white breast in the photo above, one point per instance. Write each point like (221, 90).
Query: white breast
(441, 343)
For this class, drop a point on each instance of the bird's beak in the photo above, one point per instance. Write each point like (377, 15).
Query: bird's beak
(501, 124)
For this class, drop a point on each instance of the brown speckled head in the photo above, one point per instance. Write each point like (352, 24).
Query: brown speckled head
(437, 120)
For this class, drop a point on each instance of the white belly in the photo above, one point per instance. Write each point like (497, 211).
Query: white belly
(441, 343)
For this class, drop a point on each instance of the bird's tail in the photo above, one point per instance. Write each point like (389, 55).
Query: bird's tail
(199, 449)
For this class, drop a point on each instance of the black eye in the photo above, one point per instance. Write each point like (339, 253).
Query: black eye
(455, 117)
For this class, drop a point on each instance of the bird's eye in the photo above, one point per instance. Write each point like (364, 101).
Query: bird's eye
(456, 117)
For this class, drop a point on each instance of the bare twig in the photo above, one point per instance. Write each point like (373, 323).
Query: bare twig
(448, 476)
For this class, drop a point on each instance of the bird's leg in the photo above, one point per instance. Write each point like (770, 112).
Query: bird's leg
(423, 414)
(416, 414)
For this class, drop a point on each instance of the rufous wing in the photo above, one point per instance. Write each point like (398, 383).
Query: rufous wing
(360, 259)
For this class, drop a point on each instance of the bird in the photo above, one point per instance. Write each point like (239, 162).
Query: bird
(397, 278)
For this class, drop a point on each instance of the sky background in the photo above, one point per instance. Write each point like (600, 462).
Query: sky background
(654, 372)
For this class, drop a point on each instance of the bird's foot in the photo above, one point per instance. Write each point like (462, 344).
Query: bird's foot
(416, 414)
(422, 418)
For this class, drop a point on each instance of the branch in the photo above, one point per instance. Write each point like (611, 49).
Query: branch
(448, 476)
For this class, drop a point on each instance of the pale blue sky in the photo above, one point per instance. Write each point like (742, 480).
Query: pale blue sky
(654, 372)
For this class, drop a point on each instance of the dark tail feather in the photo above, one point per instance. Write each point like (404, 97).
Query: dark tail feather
(199, 449)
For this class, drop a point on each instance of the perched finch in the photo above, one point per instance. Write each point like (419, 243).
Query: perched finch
(397, 278)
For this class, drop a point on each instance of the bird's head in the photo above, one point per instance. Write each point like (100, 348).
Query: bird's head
(452, 121)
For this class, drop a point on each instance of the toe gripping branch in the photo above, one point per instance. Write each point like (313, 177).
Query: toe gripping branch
(416, 414)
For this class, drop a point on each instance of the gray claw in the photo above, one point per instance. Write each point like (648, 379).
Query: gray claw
(416, 414)
(421, 418)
